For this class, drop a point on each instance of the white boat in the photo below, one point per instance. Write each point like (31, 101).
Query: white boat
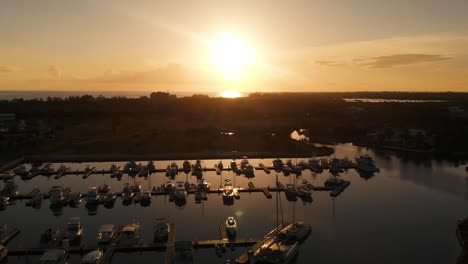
(3, 253)
(179, 191)
(92, 196)
(93, 257)
(228, 191)
(161, 232)
(74, 229)
(130, 235)
(105, 234)
(231, 226)
(54, 256)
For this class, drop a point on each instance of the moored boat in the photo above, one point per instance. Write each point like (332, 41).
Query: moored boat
(161, 232)
(130, 235)
(231, 226)
(105, 234)
(74, 230)
(55, 256)
(228, 191)
(93, 257)
(365, 163)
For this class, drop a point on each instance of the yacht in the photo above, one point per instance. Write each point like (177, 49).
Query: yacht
(10, 188)
(93, 257)
(231, 226)
(234, 166)
(197, 169)
(304, 165)
(48, 168)
(3, 253)
(365, 163)
(150, 166)
(131, 168)
(57, 195)
(74, 199)
(244, 163)
(74, 229)
(249, 170)
(105, 234)
(220, 165)
(54, 256)
(4, 202)
(104, 188)
(186, 166)
(168, 186)
(203, 185)
(228, 191)
(273, 251)
(315, 166)
(130, 235)
(92, 196)
(145, 199)
(174, 169)
(7, 175)
(127, 194)
(20, 169)
(161, 232)
(179, 191)
(278, 164)
(290, 191)
(295, 232)
(109, 199)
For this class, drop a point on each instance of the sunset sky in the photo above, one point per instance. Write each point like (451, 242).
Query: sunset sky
(207, 46)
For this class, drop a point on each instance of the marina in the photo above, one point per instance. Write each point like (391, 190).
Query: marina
(200, 203)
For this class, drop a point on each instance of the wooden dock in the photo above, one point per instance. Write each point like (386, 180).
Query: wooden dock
(264, 168)
(222, 230)
(169, 259)
(266, 192)
(8, 235)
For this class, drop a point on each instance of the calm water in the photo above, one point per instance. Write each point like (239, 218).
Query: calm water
(377, 100)
(405, 214)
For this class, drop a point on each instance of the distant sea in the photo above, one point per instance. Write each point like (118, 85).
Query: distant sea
(9, 95)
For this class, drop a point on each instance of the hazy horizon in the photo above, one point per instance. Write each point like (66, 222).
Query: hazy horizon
(242, 46)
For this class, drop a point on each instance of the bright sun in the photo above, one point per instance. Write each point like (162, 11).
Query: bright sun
(231, 56)
(230, 94)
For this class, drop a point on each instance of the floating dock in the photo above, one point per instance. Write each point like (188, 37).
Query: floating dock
(169, 259)
(8, 235)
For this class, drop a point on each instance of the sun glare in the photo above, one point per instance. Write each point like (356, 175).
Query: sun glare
(231, 56)
(230, 94)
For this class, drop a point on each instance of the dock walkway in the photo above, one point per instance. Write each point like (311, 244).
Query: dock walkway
(169, 259)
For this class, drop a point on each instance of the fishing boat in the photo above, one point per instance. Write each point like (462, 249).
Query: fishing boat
(161, 232)
(130, 235)
(74, 199)
(187, 167)
(228, 191)
(92, 196)
(105, 234)
(294, 232)
(179, 191)
(231, 226)
(93, 257)
(54, 256)
(74, 230)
